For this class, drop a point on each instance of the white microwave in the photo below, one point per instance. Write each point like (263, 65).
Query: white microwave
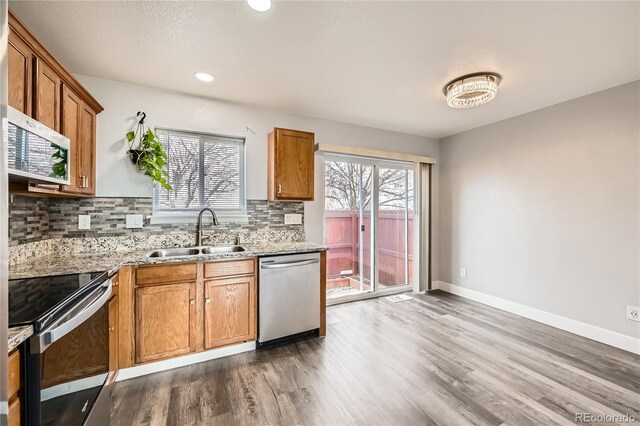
(36, 152)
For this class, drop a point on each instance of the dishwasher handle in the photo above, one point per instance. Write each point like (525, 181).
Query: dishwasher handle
(288, 264)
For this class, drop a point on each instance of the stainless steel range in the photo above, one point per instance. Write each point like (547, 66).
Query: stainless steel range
(67, 358)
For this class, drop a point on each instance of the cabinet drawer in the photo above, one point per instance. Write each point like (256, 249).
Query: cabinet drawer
(14, 373)
(158, 274)
(14, 413)
(229, 268)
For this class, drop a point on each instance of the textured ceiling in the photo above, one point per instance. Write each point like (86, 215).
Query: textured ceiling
(378, 64)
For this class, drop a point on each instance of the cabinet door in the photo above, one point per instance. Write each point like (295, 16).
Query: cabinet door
(229, 311)
(113, 334)
(70, 127)
(47, 99)
(293, 165)
(87, 154)
(165, 321)
(20, 74)
(14, 413)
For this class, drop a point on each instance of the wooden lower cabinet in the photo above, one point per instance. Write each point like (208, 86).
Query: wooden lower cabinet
(13, 387)
(14, 412)
(229, 311)
(113, 337)
(165, 321)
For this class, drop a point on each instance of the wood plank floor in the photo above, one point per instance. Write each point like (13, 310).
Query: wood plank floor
(436, 359)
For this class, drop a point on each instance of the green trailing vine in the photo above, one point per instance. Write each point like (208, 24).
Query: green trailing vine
(149, 155)
(59, 168)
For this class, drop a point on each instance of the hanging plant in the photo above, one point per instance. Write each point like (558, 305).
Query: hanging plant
(148, 153)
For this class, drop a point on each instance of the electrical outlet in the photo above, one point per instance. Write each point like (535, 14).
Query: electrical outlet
(633, 313)
(293, 219)
(84, 221)
(463, 272)
(133, 221)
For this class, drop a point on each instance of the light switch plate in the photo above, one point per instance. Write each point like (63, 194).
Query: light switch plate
(133, 221)
(84, 221)
(293, 219)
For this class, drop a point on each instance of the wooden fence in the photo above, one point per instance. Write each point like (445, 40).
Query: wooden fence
(342, 235)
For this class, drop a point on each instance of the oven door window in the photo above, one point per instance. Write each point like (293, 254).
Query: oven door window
(74, 371)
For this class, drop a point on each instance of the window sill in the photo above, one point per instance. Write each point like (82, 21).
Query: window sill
(169, 219)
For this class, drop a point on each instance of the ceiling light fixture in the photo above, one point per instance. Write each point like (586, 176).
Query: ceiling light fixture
(203, 76)
(260, 5)
(472, 90)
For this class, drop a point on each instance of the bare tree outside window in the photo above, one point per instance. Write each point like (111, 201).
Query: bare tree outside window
(204, 170)
(343, 187)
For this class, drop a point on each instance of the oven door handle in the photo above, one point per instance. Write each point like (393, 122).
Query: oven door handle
(76, 316)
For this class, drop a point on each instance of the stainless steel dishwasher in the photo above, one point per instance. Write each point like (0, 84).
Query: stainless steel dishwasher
(289, 296)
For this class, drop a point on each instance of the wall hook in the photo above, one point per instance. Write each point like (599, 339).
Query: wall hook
(144, 116)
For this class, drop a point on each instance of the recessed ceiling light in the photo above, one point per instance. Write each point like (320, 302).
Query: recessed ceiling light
(203, 76)
(260, 5)
(472, 90)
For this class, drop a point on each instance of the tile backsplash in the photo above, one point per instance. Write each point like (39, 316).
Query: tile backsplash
(37, 219)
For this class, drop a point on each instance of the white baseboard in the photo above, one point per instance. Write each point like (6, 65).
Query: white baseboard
(182, 361)
(589, 331)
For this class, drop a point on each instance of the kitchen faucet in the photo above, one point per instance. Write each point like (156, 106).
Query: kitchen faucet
(199, 230)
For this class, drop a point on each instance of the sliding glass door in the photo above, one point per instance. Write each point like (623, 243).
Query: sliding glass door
(395, 227)
(368, 227)
(347, 230)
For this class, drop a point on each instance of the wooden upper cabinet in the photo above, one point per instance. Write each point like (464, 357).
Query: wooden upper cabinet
(229, 311)
(290, 168)
(165, 321)
(21, 59)
(43, 89)
(70, 127)
(46, 105)
(87, 155)
(78, 123)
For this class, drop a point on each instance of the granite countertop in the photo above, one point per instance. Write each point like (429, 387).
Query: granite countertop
(19, 334)
(111, 261)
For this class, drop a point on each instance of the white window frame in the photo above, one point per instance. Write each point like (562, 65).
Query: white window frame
(178, 216)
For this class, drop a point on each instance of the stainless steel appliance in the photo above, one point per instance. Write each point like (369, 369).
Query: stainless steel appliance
(289, 297)
(36, 153)
(67, 358)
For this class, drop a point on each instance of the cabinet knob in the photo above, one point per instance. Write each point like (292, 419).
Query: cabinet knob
(207, 300)
(112, 329)
(192, 302)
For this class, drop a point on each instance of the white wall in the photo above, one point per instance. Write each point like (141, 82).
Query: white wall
(543, 209)
(116, 176)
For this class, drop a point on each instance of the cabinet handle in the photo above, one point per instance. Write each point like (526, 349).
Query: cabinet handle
(112, 329)
(279, 189)
(192, 302)
(207, 300)
(83, 183)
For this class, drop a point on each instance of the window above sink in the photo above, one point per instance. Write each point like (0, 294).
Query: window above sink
(205, 170)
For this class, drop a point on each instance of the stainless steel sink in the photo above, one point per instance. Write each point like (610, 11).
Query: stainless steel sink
(227, 248)
(181, 251)
(194, 251)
